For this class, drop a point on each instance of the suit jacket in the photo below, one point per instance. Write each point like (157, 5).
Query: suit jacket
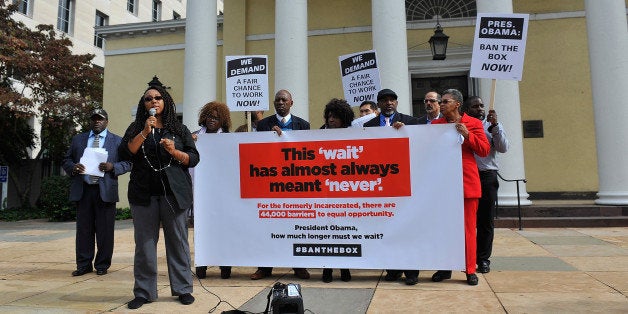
(476, 144)
(269, 122)
(404, 118)
(109, 183)
(423, 118)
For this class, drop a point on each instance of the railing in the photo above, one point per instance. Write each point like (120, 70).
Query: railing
(518, 198)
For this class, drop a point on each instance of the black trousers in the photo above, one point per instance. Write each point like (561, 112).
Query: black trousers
(486, 214)
(95, 221)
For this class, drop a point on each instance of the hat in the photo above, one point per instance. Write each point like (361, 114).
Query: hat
(386, 92)
(100, 112)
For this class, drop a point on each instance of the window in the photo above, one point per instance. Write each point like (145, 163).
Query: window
(23, 6)
(65, 16)
(156, 10)
(176, 16)
(417, 10)
(131, 6)
(101, 20)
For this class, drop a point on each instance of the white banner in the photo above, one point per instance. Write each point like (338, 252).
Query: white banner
(370, 198)
(247, 83)
(499, 46)
(360, 77)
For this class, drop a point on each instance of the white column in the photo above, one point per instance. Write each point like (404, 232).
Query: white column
(291, 57)
(391, 45)
(608, 59)
(508, 107)
(199, 81)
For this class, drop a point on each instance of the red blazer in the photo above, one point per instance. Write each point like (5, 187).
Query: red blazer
(478, 144)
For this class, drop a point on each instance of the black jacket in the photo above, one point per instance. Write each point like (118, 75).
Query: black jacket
(269, 122)
(404, 118)
(177, 175)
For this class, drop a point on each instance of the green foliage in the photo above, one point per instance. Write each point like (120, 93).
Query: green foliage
(16, 136)
(54, 199)
(15, 214)
(123, 213)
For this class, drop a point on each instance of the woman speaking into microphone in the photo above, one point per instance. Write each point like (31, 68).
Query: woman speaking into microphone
(160, 192)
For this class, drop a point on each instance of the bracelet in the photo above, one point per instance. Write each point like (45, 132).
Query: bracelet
(182, 159)
(142, 135)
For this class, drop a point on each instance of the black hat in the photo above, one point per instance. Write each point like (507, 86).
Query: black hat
(100, 112)
(386, 92)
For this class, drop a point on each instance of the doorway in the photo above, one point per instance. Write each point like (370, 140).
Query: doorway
(422, 85)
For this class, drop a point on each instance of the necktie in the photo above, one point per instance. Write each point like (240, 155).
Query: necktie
(387, 121)
(95, 144)
(283, 120)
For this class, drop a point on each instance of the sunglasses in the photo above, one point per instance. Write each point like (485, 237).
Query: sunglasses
(149, 98)
(447, 101)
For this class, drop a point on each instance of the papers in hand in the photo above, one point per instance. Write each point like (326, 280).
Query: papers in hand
(92, 157)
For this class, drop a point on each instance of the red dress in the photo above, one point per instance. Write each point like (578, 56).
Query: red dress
(472, 188)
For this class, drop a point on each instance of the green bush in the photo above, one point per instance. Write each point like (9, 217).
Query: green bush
(54, 199)
(16, 213)
(123, 213)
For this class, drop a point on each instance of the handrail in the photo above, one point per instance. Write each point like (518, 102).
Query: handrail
(518, 197)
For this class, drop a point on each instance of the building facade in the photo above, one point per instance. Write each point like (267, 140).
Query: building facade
(77, 19)
(553, 117)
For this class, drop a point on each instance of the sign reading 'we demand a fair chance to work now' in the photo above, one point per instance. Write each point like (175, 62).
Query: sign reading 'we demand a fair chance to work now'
(360, 77)
(499, 46)
(346, 198)
(247, 83)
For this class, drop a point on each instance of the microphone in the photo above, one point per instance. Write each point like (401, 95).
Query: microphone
(152, 112)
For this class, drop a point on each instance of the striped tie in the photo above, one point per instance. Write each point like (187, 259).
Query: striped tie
(95, 144)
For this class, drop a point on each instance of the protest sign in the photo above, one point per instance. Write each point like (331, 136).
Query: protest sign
(247, 83)
(360, 77)
(347, 198)
(499, 46)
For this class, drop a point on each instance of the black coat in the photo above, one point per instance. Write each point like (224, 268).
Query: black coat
(269, 122)
(403, 118)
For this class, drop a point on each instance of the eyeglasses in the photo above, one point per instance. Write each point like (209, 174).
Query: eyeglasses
(446, 101)
(149, 98)
(213, 118)
(431, 100)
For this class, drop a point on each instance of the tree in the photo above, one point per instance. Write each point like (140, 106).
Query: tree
(41, 79)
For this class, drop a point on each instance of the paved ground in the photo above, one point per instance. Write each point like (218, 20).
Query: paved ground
(565, 270)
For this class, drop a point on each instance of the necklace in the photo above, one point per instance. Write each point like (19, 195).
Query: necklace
(151, 165)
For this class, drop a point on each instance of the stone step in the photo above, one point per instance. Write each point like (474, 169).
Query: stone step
(561, 222)
(557, 214)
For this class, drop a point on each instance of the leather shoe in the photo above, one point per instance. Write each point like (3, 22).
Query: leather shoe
(186, 299)
(327, 275)
(225, 272)
(82, 271)
(137, 303)
(259, 274)
(484, 267)
(101, 272)
(392, 275)
(345, 275)
(411, 281)
(441, 275)
(301, 273)
(472, 279)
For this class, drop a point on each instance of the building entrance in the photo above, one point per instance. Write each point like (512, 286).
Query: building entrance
(422, 85)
